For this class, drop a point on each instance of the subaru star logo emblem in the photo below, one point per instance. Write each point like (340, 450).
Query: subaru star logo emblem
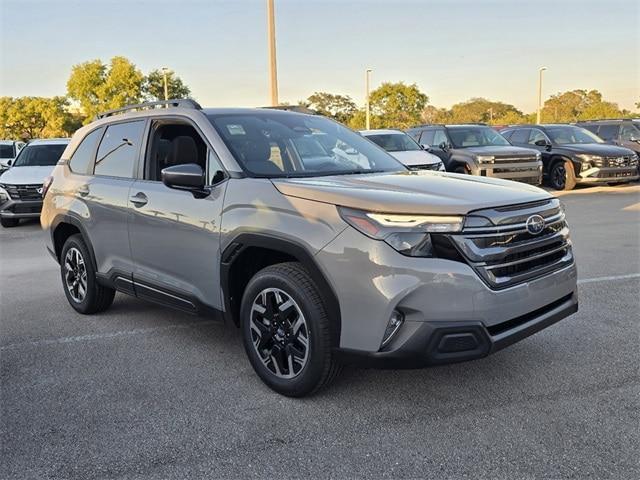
(535, 224)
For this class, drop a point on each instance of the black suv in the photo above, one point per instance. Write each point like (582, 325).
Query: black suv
(624, 132)
(573, 155)
(478, 149)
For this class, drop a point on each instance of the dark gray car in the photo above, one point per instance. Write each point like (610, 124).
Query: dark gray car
(319, 259)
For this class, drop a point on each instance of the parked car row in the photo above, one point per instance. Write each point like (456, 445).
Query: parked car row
(564, 155)
(9, 150)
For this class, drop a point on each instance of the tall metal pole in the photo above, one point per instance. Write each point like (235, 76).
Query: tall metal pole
(367, 75)
(540, 70)
(166, 87)
(273, 74)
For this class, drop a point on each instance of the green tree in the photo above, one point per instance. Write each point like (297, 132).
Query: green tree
(36, 117)
(339, 107)
(154, 86)
(98, 87)
(432, 114)
(484, 111)
(578, 105)
(393, 105)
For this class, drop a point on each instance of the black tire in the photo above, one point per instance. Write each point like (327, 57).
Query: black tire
(321, 367)
(9, 222)
(562, 175)
(96, 298)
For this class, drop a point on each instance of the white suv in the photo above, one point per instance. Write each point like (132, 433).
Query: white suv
(405, 149)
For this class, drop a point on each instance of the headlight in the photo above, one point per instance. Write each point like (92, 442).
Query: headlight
(408, 234)
(485, 158)
(588, 158)
(4, 195)
(441, 167)
(538, 156)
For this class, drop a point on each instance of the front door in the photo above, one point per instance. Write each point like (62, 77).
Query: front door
(174, 236)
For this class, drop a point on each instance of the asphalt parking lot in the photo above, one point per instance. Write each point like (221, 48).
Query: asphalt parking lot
(144, 392)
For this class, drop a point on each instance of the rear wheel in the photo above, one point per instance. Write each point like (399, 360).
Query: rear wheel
(286, 331)
(9, 222)
(81, 288)
(562, 175)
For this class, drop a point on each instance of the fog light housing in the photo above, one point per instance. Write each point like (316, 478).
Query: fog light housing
(395, 322)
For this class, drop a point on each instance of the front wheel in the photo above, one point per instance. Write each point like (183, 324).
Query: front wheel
(81, 288)
(562, 175)
(286, 331)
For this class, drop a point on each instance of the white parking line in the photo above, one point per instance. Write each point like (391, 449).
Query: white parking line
(608, 279)
(101, 336)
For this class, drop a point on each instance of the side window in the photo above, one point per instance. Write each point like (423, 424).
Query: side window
(629, 133)
(426, 138)
(82, 159)
(608, 132)
(439, 137)
(507, 134)
(119, 149)
(520, 135)
(214, 167)
(535, 136)
(172, 144)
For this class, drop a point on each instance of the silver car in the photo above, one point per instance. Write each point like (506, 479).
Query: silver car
(319, 259)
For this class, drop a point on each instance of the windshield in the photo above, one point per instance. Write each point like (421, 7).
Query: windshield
(563, 135)
(285, 144)
(39, 155)
(6, 151)
(473, 136)
(394, 142)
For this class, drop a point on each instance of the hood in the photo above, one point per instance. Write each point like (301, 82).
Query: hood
(26, 175)
(603, 149)
(498, 150)
(411, 192)
(415, 157)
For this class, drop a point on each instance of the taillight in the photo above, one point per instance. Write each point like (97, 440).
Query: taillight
(46, 184)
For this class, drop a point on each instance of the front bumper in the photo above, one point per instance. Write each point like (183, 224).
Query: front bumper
(373, 280)
(20, 208)
(608, 175)
(526, 172)
(438, 343)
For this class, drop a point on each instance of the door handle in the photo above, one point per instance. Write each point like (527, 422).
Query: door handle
(83, 191)
(139, 199)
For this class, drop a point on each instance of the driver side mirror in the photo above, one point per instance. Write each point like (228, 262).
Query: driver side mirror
(444, 146)
(188, 176)
(541, 143)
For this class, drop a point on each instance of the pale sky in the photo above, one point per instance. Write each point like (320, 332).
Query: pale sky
(453, 50)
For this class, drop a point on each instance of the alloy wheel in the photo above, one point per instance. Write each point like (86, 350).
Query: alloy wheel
(559, 177)
(279, 333)
(75, 274)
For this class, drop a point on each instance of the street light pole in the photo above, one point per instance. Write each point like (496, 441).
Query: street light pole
(367, 76)
(271, 37)
(540, 70)
(165, 70)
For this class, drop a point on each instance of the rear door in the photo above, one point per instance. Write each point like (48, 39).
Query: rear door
(103, 187)
(175, 237)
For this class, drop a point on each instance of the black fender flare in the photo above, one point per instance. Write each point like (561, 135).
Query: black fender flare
(78, 224)
(286, 246)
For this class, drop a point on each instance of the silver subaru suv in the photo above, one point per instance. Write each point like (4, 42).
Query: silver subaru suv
(321, 258)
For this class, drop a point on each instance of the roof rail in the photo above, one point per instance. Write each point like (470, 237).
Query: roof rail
(177, 102)
(606, 120)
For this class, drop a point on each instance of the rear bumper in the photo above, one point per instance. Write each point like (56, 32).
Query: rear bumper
(438, 343)
(21, 208)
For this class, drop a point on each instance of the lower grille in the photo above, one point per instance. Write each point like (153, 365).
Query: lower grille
(505, 253)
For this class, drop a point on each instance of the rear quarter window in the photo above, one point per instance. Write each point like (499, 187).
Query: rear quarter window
(82, 159)
(119, 148)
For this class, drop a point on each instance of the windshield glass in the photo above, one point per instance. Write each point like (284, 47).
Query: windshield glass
(285, 144)
(6, 151)
(394, 142)
(563, 135)
(474, 136)
(39, 155)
